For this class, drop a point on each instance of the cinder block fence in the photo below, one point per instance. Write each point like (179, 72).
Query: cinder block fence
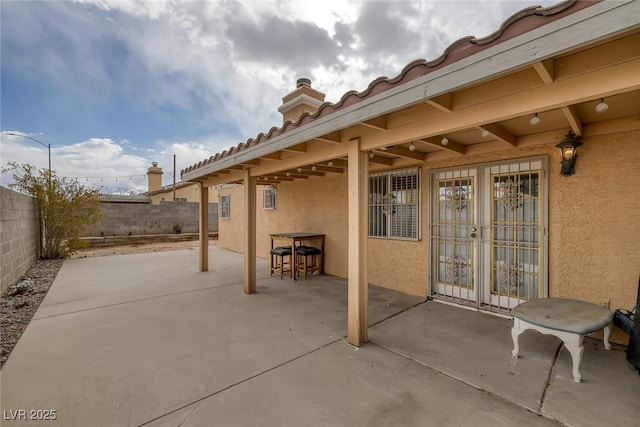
(122, 218)
(19, 234)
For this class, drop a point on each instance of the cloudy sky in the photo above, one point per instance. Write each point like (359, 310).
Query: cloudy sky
(115, 85)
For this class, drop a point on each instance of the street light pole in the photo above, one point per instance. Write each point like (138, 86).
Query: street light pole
(48, 146)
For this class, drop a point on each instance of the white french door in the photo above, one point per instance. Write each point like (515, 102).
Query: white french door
(487, 234)
(454, 229)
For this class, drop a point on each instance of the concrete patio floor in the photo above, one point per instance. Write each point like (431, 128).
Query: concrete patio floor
(147, 340)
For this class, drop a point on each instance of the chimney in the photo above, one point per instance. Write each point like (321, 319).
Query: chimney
(304, 99)
(154, 177)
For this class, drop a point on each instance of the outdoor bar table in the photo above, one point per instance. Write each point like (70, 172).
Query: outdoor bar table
(295, 239)
(568, 319)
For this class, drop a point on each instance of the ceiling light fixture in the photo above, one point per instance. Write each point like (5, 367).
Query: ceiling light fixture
(313, 167)
(299, 170)
(330, 162)
(371, 154)
(485, 133)
(602, 106)
(444, 140)
(288, 174)
(535, 120)
(412, 147)
(275, 177)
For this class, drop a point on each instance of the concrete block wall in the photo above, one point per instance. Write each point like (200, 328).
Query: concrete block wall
(122, 219)
(19, 235)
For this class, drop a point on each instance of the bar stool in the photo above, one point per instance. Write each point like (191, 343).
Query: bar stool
(278, 261)
(306, 259)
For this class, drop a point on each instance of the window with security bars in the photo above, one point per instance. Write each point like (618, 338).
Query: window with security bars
(269, 198)
(225, 206)
(394, 204)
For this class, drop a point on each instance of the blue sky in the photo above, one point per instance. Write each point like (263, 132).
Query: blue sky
(115, 85)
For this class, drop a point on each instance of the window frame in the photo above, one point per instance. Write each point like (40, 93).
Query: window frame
(389, 195)
(225, 208)
(269, 194)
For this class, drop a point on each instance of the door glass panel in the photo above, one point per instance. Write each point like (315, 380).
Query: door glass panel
(515, 234)
(454, 219)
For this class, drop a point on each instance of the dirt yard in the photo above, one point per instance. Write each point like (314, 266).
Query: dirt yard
(137, 249)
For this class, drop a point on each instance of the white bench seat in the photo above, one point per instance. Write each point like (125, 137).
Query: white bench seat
(568, 319)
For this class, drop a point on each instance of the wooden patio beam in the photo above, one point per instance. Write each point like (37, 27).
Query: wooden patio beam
(545, 70)
(203, 219)
(378, 123)
(451, 145)
(600, 83)
(406, 153)
(573, 118)
(380, 160)
(501, 134)
(358, 292)
(249, 233)
(339, 163)
(300, 148)
(443, 103)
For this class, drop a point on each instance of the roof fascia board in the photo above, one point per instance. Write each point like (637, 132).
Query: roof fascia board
(581, 28)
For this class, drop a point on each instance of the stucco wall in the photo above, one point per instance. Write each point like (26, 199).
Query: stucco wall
(315, 205)
(121, 219)
(594, 226)
(594, 240)
(189, 192)
(19, 234)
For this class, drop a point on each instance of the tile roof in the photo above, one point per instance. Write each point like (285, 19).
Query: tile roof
(519, 23)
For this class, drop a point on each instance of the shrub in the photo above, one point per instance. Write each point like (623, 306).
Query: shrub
(64, 205)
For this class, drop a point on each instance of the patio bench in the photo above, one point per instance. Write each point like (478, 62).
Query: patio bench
(568, 319)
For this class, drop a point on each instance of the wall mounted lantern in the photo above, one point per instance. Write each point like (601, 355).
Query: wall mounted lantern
(568, 148)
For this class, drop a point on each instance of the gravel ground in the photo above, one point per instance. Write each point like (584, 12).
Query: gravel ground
(19, 302)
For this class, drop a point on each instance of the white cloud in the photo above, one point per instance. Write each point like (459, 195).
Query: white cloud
(221, 61)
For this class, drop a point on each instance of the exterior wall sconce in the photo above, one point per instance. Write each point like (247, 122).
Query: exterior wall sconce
(568, 148)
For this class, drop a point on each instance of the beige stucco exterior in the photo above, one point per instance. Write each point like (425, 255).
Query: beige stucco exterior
(594, 231)
(190, 192)
(472, 110)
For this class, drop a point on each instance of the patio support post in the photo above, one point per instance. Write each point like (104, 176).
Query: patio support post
(204, 227)
(358, 292)
(250, 233)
